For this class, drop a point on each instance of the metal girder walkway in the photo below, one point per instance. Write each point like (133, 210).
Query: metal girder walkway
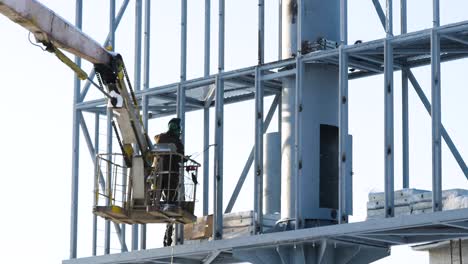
(367, 58)
(381, 233)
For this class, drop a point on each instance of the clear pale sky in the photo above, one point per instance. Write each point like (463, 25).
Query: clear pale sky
(36, 114)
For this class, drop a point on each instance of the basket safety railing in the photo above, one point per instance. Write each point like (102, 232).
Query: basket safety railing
(167, 181)
(110, 181)
(170, 182)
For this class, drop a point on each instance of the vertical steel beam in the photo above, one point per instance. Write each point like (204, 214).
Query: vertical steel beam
(183, 41)
(206, 112)
(146, 61)
(405, 128)
(298, 120)
(280, 30)
(404, 103)
(206, 158)
(218, 162)
(261, 32)
(75, 145)
(108, 180)
(342, 111)
(221, 37)
(123, 227)
(96, 164)
(436, 113)
(258, 179)
(138, 19)
(343, 133)
(344, 22)
(403, 16)
(137, 82)
(181, 114)
(219, 131)
(107, 237)
(389, 120)
(298, 140)
(181, 97)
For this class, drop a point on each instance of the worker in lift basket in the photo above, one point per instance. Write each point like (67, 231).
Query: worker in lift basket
(170, 181)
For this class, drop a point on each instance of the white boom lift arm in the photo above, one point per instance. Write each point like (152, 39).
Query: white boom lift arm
(143, 204)
(54, 32)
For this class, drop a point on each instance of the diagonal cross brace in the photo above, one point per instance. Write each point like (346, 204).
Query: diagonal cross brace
(250, 159)
(445, 135)
(380, 12)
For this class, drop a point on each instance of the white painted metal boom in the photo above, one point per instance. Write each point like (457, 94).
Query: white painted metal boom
(48, 27)
(55, 32)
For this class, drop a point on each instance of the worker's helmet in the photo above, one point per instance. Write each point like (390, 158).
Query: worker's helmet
(174, 125)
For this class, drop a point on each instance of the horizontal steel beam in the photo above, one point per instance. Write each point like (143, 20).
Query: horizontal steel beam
(335, 232)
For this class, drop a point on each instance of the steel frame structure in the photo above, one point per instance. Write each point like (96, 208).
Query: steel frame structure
(383, 56)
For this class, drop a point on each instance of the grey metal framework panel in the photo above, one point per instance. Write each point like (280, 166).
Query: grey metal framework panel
(376, 233)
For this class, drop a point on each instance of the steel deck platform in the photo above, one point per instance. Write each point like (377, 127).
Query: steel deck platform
(381, 233)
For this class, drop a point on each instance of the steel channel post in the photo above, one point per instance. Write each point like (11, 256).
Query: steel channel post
(219, 131)
(389, 120)
(404, 103)
(108, 179)
(107, 233)
(181, 100)
(343, 134)
(137, 82)
(138, 19)
(298, 142)
(146, 62)
(343, 112)
(258, 179)
(298, 120)
(280, 115)
(261, 32)
(206, 158)
(123, 228)
(181, 114)
(280, 29)
(96, 167)
(221, 37)
(75, 144)
(218, 163)
(436, 113)
(206, 112)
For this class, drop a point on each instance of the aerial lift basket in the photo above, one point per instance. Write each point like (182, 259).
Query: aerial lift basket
(169, 188)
